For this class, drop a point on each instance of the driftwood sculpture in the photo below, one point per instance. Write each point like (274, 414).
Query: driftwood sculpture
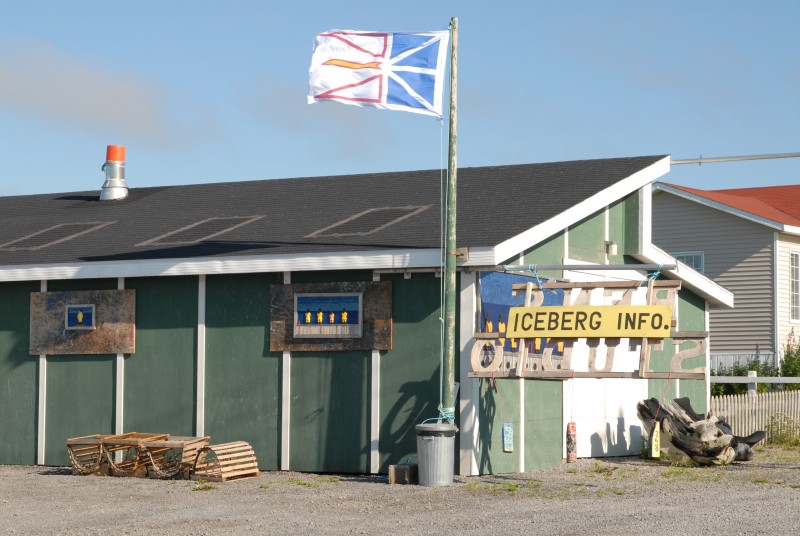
(685, 435)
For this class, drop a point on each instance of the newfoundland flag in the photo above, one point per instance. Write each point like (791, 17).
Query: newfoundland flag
(393, 71)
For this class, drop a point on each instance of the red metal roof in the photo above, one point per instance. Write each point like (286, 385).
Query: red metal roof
(777, 203)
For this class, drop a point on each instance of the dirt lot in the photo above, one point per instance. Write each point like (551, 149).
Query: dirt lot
(616, 496)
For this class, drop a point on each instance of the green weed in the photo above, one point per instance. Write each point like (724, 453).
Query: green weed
(203, 485)
(303, 482)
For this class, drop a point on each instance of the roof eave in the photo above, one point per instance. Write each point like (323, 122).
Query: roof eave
(514, 245)
(360, 260)
(701, 285)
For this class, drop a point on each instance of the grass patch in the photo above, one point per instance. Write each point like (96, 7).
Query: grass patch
(777, 453)
(760, 480)
(203, 485)
(263, 486)
(305, 483)
(534, 484)
(693, 474)
(675, 471)
(329, 479)
(602, 469)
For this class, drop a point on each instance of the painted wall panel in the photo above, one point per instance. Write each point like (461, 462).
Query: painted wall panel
(544, 427)
(550, 251)
(604, 410)
(160, 377)
(691, 317)
(409, 391)
(330, 412)
(499, 403)
(329, 430)
(243, 379)
(80, 389)
(587, 239)
(80, 401)
(630, 226)
(18, 376)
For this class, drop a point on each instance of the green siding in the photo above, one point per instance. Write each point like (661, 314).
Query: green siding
(243, 378)
(330, 412)
(618, 223)
(497, 407)
(160, 377)
(587, 239)
(544, 427)
(409, 391)
(80, 388)
(550, 251)
(691, 317)
(630, 245)
(80, 401)
(18, 376)
(330, 401)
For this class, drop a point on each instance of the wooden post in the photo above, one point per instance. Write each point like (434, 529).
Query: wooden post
(448, 362)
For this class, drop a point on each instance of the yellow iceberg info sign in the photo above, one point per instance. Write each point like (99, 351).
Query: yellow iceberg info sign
(589, 321)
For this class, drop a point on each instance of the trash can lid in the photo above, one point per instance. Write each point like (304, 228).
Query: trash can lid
(439, 429)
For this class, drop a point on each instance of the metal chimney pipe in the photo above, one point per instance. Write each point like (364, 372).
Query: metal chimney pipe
(115, 186)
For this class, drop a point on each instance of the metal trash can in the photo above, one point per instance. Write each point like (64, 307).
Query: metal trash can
(435, 447)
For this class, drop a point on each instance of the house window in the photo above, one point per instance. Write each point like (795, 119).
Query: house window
(794, 276)
(693, 259)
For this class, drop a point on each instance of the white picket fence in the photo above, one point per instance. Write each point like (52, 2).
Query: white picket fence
(777, 413)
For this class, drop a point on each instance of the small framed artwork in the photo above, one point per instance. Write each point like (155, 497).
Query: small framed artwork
(333, 315)
(80, 316)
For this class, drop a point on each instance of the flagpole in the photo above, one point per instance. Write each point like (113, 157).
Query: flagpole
(447, 409)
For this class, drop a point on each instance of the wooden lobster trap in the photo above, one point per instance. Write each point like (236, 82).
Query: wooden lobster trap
(172, 457)
(227, 461)
(86, 455)
(125, 452)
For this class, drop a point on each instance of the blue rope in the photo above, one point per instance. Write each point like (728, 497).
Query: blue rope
(445, 414)
(652, 275)
(533, 269)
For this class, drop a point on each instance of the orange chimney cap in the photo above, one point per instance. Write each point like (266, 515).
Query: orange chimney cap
(115, 153)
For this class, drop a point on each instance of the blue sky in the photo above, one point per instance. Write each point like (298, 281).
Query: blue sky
(216, 91)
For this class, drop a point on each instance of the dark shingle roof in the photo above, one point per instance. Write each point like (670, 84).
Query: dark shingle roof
(297, 216)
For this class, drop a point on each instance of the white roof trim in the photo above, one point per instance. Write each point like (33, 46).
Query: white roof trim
(695, 281)
(480, 256)
(726, 208)
(531, 237)
(366, 260)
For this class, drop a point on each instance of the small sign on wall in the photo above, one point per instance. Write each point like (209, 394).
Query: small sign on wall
(79, 316)
(340, 316)
(327, 315)
(508, 437)
(83, 322)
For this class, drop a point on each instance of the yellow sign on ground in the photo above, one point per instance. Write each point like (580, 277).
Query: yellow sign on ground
(589, 321)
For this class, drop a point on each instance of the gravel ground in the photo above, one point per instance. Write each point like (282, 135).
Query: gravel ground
(612, 496)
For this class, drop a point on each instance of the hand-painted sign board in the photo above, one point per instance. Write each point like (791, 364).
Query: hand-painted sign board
(590, 321)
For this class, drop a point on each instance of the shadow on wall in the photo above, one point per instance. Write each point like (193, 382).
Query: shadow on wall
(615, 444)
(398, 432)
(489, 407)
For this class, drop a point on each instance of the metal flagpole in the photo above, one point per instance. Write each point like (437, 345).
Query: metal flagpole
(448, 362)
(701, 160)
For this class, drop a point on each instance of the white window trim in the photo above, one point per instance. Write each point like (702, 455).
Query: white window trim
(794, 254)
